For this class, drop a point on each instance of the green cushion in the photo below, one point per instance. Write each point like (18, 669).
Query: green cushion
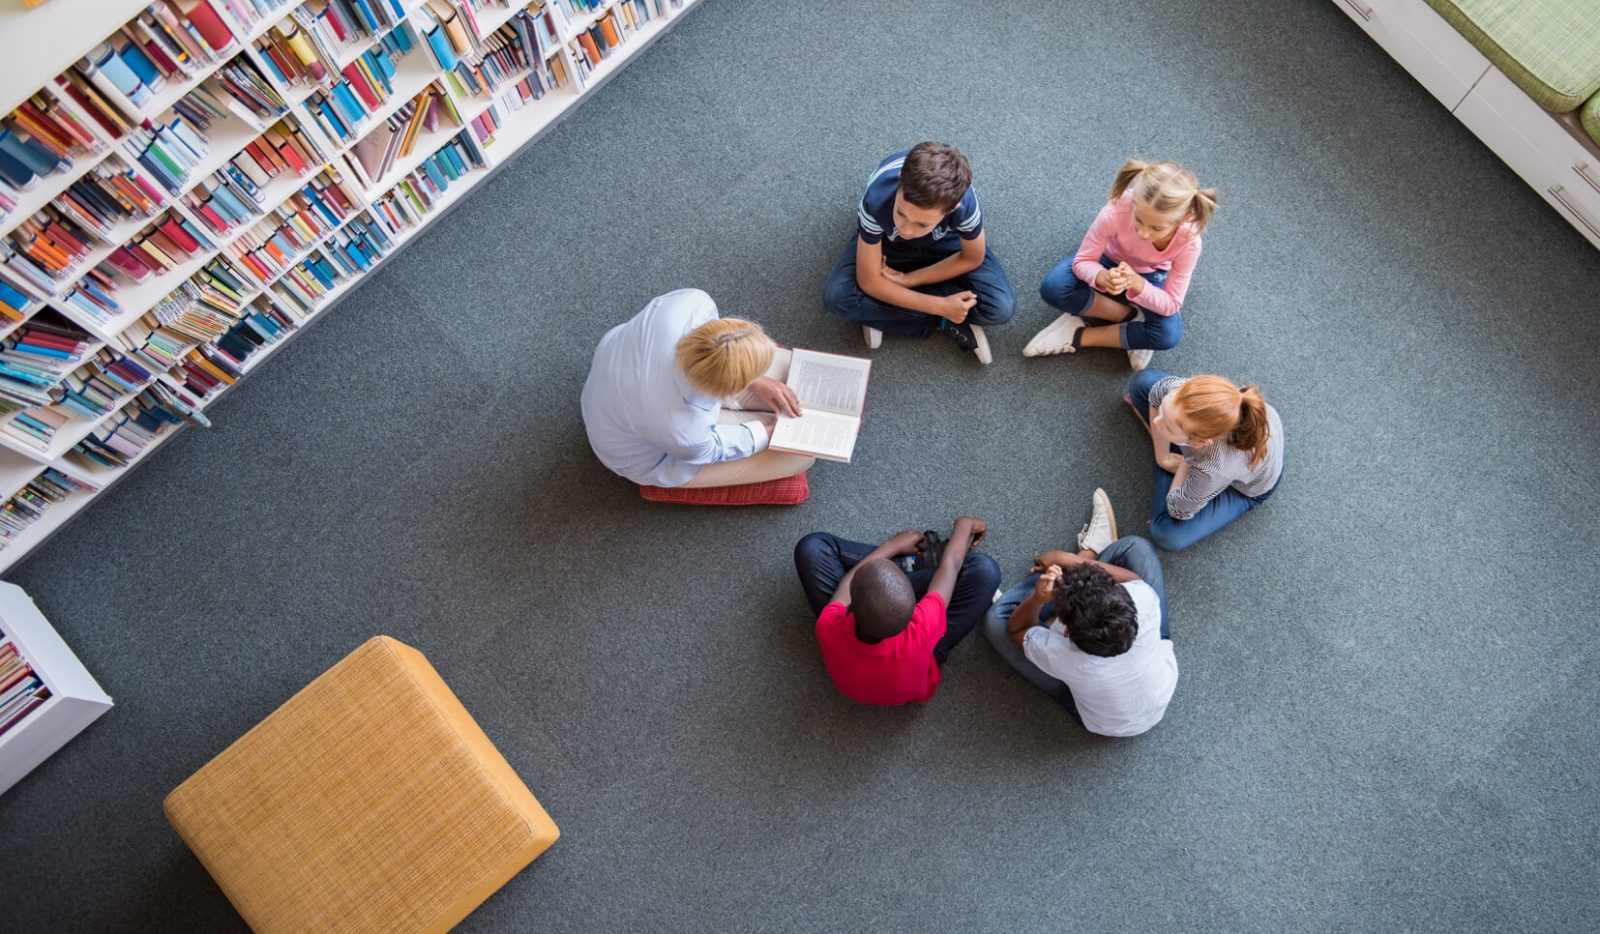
(1550, 48)
(1591, 118)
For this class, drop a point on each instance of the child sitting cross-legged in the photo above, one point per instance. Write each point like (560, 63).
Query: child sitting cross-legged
(885, 629)
(1090, 629)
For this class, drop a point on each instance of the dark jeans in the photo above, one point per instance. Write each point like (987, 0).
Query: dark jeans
(823, 559)
(842, 295)
(1177, 534)
(1129, 551)
(1147, 330)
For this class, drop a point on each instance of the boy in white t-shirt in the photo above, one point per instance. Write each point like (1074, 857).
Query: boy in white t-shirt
(1090, 629)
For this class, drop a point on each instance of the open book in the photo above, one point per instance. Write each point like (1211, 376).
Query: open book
(832, 391)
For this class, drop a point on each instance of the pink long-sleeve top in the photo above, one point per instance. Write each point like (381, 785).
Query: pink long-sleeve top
(1112, 235)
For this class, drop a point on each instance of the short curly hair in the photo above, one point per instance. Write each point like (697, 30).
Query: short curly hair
(1099, 614)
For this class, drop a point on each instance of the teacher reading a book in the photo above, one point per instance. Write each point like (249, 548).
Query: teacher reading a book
(678, 397)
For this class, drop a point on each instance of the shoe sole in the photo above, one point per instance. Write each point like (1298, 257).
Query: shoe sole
(985, 357)
(873, 337)
(1135, 364)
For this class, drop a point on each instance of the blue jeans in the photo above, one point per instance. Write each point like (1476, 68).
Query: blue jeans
(1062, 289)
(823, 559)
(1177, 534)
(1129, 552)
(842, 294)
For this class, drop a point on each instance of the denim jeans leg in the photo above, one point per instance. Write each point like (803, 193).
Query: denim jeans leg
(973, 594)
(822, 560)
(1139, 556)
(1171, 534)
(997, 302)
(842, 296)
(1139, 390)
(994, 629)
(1151, 331)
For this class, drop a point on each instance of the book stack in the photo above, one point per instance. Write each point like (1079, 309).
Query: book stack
(110, 195)
(158, 408)
(167, 243)
(336, 27)
(40, 138)
(37, 357)
(35, 426)
(163, 42)
(171, 149)
(303, 286)
(359, 246)
(21, 689)
(376, 153)
(251, 94)
(360, 88)
(404, 206)
(211, 367)
(272, 246)
(506, 56)
(97, 386)
(599, 42)
(449, 29)
(251, 13)
(15, 305)
(50, 249)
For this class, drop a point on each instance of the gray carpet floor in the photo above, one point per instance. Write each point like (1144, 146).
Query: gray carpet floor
(1386, 717)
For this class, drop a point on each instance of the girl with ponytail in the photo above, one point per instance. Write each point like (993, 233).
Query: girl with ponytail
(1125, 285)
(1218, 450)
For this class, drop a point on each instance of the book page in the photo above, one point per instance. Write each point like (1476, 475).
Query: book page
(829, 382)
(821, 434)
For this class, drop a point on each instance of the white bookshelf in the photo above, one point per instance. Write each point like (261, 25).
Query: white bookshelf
(48, 41)
(75, 699)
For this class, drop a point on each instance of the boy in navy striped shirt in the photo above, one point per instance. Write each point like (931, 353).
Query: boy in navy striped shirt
(920, 262)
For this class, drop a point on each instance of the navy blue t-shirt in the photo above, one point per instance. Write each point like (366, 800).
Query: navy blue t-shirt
(876, 218)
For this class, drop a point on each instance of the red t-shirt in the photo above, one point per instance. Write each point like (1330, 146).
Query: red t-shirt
(898, 670)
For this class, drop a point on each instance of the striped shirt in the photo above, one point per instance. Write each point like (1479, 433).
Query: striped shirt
(875, 216)
(1220, 465)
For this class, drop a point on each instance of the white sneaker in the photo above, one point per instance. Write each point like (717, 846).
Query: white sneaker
(1101, 531)
(874, 337)
(985, 357)
(1055, 338)
(1139, 359)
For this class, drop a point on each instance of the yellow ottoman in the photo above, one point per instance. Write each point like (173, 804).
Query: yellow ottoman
(370, 801)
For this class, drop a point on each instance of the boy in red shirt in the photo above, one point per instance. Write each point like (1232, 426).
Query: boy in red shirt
(884, 632)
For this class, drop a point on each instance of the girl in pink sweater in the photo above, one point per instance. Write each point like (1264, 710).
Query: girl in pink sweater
(1125, 285)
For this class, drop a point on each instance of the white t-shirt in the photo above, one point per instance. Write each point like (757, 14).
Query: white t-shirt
(1124, 695)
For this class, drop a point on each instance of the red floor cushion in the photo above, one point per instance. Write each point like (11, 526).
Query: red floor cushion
(789, 491)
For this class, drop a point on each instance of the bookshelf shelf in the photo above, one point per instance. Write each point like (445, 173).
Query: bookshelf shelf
(445, 165)
(75, 701)
(15, 471)
(35, 198)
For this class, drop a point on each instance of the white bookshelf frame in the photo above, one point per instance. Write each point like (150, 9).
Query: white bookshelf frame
(75, 701)
(51, 44)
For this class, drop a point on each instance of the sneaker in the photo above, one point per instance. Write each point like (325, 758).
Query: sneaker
(1139, 359)
(1055, 338)
(874, 337)
(1101, 531)
(968, 337)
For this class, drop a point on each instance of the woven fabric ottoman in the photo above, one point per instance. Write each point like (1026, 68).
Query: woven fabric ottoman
(370, 801)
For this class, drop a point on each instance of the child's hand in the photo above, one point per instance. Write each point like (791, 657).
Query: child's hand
(955, 307)
(1104, 282)
(905, 543)
(1045, 587)
(1116, 281)
(1052, 557)
(1132, 282)
(893, 275)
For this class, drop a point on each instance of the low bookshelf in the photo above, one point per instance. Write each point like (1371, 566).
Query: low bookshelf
(185, 185)
(46, 695)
